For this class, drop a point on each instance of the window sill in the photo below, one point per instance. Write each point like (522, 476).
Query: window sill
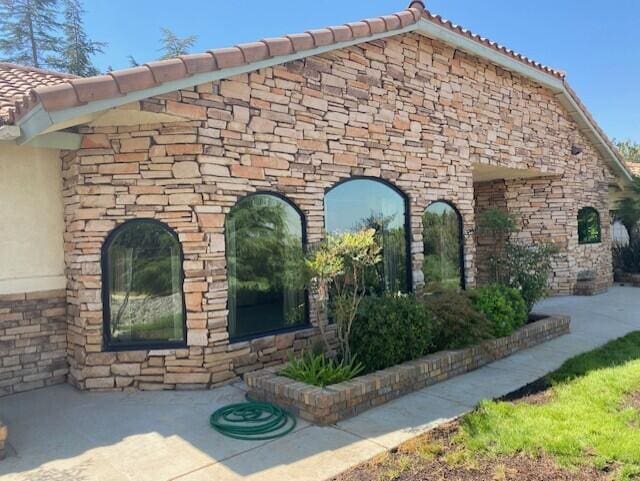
(144, 346)
(250, 337)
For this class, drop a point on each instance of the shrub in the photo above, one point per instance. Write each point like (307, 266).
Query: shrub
(504, 307)
(336, 272)
(390, 329)
(317, 369)
(456, 322)
(527, 269)
(627, 257)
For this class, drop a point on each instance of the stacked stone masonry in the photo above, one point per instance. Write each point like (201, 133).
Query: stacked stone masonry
(33, 341)
(406, 109)
(333, 403)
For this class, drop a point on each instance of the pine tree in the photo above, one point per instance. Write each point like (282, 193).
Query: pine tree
(77, 48)
(28, 31)
(173, 46)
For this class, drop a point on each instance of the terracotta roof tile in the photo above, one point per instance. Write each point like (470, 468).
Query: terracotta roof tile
(72, 92)
(17, 81)
(634, 167)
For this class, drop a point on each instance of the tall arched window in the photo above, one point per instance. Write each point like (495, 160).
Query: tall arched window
(368, 203)
(443, 247)
(142, 281)
(264, 238)
(588, 226)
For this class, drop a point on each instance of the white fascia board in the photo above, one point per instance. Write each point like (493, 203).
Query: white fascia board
(555, 84)
(38, 120)
(9, 133)
(581, 118)
(438, 32)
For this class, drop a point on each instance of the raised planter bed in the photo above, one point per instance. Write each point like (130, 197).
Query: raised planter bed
(340, 401)
(627, 278)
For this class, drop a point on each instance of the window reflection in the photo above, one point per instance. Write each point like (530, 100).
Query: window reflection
(264, 262)
(144, 303)
(588, 226)
(442, 237)
(366, 203)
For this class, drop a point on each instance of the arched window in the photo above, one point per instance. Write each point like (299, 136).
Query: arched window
(142, 281)
(368, 203)
(264, 239)
(588, 226)
(443, 247)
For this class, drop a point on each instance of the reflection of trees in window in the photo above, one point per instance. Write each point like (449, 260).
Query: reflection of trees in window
(264, 263)
(142, 268)
(588, 226)
(442, 237)
(366, 203)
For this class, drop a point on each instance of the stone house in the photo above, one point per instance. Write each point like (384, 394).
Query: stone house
(151, 216)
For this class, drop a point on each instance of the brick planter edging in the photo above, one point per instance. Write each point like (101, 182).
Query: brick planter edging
(340, 401)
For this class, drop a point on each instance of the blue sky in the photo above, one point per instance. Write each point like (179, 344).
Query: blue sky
(595, 42)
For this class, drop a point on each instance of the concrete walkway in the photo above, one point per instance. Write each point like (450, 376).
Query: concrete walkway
(61, 434)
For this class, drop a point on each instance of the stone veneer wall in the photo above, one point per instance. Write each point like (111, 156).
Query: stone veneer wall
(406, 109)
(33, 343)
(546, 210)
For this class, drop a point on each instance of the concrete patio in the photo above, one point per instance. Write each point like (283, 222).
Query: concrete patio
(59, 433)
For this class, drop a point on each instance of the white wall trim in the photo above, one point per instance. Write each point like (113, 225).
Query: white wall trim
(32, 284)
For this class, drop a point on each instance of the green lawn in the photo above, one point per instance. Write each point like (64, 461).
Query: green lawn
(587, 418)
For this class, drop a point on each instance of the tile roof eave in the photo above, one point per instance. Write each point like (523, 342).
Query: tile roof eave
(122, 85)
(77, 92)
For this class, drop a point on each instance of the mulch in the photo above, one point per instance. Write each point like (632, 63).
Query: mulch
(434, 456)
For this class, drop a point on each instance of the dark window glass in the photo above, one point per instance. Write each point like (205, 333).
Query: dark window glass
(588, 226)
(264, 262)
(442, 236)
(143, 302)
(365, 203)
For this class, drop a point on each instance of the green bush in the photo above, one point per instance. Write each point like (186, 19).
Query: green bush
(316, 369)
(456, 322)
(504, 307)
(389, 330)
(527, 269)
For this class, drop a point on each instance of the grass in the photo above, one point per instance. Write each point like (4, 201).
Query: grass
(586, 420)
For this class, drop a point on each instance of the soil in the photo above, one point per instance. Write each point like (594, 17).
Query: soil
(633, 400)
(435, 456)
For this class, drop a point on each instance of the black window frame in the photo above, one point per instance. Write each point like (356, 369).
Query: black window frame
(107, 345)
(303, 222)
(589, 208)
(407, 218)
(463, 273)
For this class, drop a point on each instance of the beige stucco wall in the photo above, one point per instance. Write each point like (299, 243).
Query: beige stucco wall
(31, 220)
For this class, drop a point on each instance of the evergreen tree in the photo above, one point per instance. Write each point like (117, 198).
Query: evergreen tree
(28, 31)
(173, 46)
(132, 61)
(77, 48)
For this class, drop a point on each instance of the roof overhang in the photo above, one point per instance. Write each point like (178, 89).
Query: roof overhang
(39, 121)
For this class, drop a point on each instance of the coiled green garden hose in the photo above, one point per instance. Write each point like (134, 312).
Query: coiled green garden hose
(257, 421)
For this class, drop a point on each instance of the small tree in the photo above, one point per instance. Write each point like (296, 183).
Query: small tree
(498, 225)
(513, 264)
(337, 279)
(174, 46)
(77, 48)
